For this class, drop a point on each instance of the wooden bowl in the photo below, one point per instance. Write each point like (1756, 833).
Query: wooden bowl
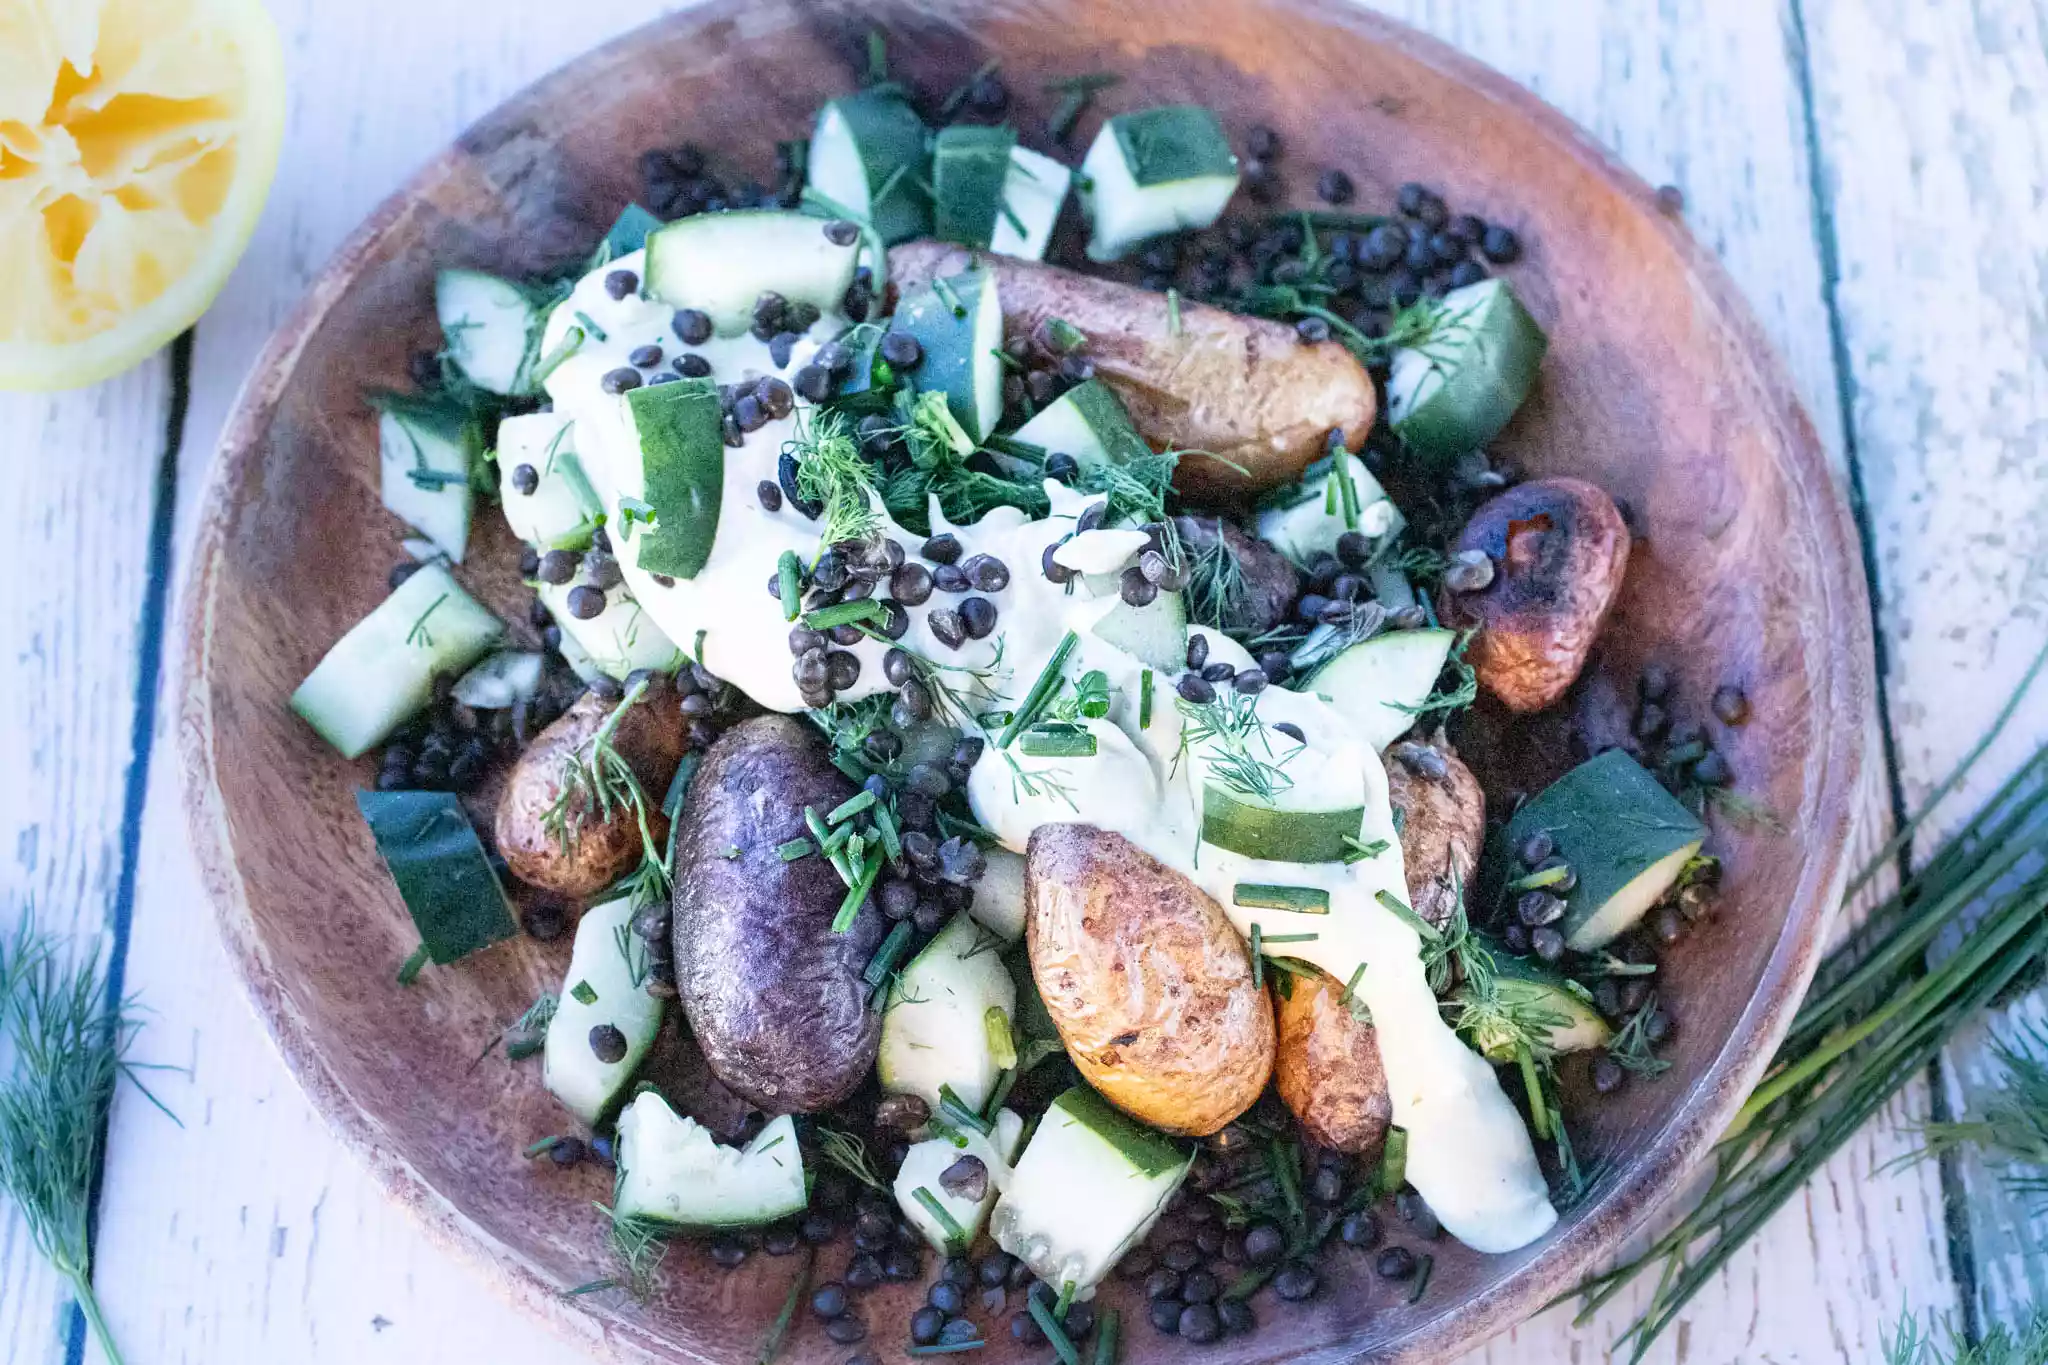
(1658, 387)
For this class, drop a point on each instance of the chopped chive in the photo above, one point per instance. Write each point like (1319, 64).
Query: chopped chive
(1044, 741)
(1173, 312)
(892, 839)
(1107, 1334)
(850, 807)
(841, 864)
(1145, 700)
(837, 839)
(409, 972)
(1351, 986)
(944, 290)
(596, 332)
(817, 827)
(1006, 360)
(1062, 1344)
(1064, 335)
(1258, 945)
(1541, 877)
(1358, 852)
(1292, 938)
(1394, 1161)
(1539, 1108)
(1001, 1094)
(956, 1236)
(1042, 690)
(1302, 900)
(789, 575)
(885, 958)
(1002, 1046)
(944, 1348)
(1065, 1302)
(955, 1110)
(543, 1147)
(583, 993)
(1422, 1278)
(1403, 912)
(857, 893)
(570, 344)
(844, 614)
(771, 1346)
(796, 848)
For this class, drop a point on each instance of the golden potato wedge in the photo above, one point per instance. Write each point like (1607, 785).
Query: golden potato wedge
(587, 851)
(1246, 390)
(1147, 982)
(1328, 1070)
(1443, 822)
(1559, 549)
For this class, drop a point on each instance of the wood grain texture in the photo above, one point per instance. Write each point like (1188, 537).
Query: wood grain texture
(1935, 153)
(76, 504)
(292, 1254)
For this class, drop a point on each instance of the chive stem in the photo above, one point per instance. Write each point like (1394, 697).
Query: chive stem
(1042, 690)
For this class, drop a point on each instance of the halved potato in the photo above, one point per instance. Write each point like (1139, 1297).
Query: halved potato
(1328, 1070)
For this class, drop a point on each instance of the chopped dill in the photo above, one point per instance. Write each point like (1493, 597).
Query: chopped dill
(830, 470)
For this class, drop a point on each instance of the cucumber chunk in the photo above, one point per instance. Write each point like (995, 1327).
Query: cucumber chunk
(561, 512)
(936, 1030)
(999, 896)
(867, 155)
(958, 322)
(1088, 422)
(428, 451)
(381, 674)
(682, 476)
(927, 1161)
(1545, 1005)
(1373, 681)
(1242, 825)
(720, 263)
(1089, 1186)
(1304, 520)
(1034, 191)
(970, 165)
(672, 1171)
(606, 984)
(1155, 171)
(620, 640)
(491, 328)
(443, 874)
(1155, 635)
(1455, 393)
(629, 233)
(1625, 837)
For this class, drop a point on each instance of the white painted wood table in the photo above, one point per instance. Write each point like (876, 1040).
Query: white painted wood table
(1871, 171)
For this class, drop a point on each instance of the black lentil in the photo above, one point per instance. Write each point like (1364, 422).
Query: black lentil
(585, 602)
(607, 1044)
(620, 380)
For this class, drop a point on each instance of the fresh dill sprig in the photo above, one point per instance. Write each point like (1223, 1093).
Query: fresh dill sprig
(940, 450)
(1632, 1049)
(2011, 1125)
(1217, 592)
(850, 1155)
(70, 1043)
(1459, 695)
(2025, 1344)
(831, 470)
(1226, 729)
(596, 779)
(640, 1244)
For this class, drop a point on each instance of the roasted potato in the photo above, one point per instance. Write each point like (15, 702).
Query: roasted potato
(1147, 982)
(1260, 595)
(1248, 391)
(775, 998)
(1443, 822)
(1558, 548)
(1328, 1070)
(585, 850)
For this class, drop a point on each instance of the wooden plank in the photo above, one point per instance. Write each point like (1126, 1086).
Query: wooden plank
(304, 1259)
(76, 505)
(1935, 156)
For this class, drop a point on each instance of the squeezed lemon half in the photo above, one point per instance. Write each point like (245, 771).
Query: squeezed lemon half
(137, 142)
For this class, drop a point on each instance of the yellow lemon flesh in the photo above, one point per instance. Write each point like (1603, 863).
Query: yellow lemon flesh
(137, 142)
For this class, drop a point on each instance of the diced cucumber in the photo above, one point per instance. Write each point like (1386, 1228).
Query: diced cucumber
(1088, 422)
(867, 155)
(428, 453)
(969, 165)
(1243, 825)
(501, 681)
(1373, 681)
(926, 1162)
(1155, 171)
(720, 263)
(1034, 191)
(620, 640)
(1625, 837)
(561, 512)
(1155, 635)
(1089, 1186)
(682, 476)
(999, 896)
(606, 984)
(672, 1171)
(381, 674)
(936, 1030)
(958, 323)
(443, 874)
(629, 233)
(1540, 1003)
(491, 328)
(1455, 393)
(1303, 521)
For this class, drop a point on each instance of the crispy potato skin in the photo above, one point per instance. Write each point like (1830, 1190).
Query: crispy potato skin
(1559, 549)
(1244, 389)
(1271, 582)
(1328, 1071)
(774, 997)
(650, 739)
(1146, 980)
(1443, 823)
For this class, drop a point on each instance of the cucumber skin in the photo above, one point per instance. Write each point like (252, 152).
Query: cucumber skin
(1589, 813)
(1274, 835)
(1387, 723)
(442, 873)
(686, 492)
(1172, 143)
(1478, 399)
(953, 364)
(449, 422)
(888, 133)
(969, 166)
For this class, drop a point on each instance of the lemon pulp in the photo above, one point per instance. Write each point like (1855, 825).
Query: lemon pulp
(137, 142)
